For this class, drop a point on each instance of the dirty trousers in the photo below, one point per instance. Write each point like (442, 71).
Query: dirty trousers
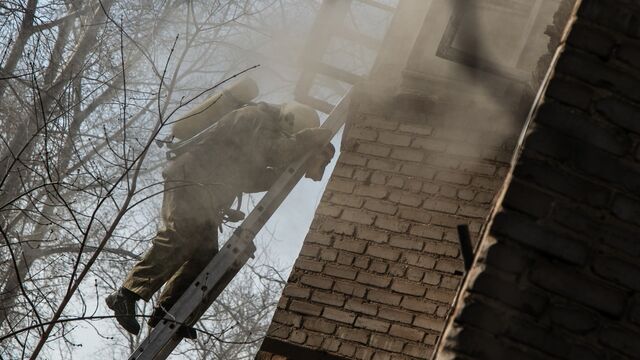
(184, 245)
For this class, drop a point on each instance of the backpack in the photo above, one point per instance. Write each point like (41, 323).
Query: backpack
(202, 120)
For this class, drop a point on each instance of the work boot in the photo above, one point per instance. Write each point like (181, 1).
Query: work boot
(157, 315)
(187, 332)
(123, 304)
(184, 331)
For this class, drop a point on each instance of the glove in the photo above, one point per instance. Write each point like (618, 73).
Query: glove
(320, 162)
(314, 137)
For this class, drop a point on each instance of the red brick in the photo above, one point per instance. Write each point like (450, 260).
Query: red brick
(429, 144)
(407, 155)
(390, 138)
(338, 227)
(429, 323)
(378, 267)
(353, 245)
(415, 259)
(486, 183)
(351, 334)
(361, 175)
(287, 318)
(279, 331)
(406, 332)
(313, 340)
(373, 191)
(316, 281)
(319, 325)
(318, 238)
(395, 181)
(330, 344)
(395, 315)
(415, 274)
(360, 133)
(372, 324)
(466, 194)
(373, 149)
(346, 200)
(345, 258)
(363, 353)
(294, 291)
(357, 216)
(344, 272)
(383, 252)
(347, 350)
(383, 164)
(419, 305)
(419, 129)
(352, 159)
(463, 150)
(328, 210)
(374, 280)
(310, 265)
(441, 248)
(361, 307)
(426, 231)
(450, 266)
(418, 351)
(430, 188)
(405, 198)
(440, 205)
(418, 170)
(479, 168)
(305, 308)
(349, 288)
(473, 211)
(343, 171)
(416, 215)
(386, 343)
(327, 298)
(361, 262)
(391, 224)
(383, 297)
(444, 296)
(309, 250)
(379, 122)
(431, 278)
(449, 282)
(341, 185)
(407, 287)
(328, 254)
(381, 206)
(453, 177)
(405, 242)
(367, 233)
(338, 315)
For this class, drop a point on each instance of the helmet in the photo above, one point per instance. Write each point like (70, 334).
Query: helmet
(295, 117)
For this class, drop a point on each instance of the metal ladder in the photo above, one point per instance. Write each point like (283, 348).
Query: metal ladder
(240, 247)
(230, 259)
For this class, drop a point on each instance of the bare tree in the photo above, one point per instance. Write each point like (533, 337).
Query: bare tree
(86, 90)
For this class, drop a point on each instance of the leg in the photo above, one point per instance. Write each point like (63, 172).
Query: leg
(183, 278)
(159, 263)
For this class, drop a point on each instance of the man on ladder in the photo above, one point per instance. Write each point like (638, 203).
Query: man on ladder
(244, 152)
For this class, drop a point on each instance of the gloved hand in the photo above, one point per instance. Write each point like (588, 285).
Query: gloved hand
(320, 162)
(313, 137)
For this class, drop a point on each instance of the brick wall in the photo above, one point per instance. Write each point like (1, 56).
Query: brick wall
(380, 265)
(558, 277)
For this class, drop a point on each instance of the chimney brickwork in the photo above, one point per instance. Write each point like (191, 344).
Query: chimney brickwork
(558, 276)
(381, 264)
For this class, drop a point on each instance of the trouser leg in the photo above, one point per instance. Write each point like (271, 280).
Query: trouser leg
(158, 264)
(187, 273)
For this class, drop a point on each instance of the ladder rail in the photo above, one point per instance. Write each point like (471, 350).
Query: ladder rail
(231, 258)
